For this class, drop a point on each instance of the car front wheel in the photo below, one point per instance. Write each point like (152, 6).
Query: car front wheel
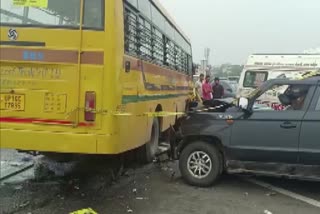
(200, 164)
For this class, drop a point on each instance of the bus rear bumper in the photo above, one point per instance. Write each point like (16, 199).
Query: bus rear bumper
(60, 142)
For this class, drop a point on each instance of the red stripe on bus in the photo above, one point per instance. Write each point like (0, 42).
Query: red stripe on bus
(46, 121)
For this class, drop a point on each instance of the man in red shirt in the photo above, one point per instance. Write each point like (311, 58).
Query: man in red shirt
(207, 90)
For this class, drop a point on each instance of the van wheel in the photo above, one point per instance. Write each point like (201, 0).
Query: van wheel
(200, 164)
(147, 153)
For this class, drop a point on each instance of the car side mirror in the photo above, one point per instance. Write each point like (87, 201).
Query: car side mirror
(243, 102)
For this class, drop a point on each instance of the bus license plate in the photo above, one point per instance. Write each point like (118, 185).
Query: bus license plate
(12, 102)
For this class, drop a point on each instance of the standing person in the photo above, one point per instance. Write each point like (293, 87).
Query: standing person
(199, 85)
(207, 90)
(218, 90)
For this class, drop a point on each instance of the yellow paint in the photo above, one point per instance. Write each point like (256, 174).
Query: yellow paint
(85, 211)
(309, 75)
(56, 91)
(164, 114)
(31, 3)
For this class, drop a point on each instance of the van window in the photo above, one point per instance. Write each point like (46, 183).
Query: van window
(254, 79)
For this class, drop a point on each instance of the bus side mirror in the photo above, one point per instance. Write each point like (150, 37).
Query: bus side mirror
(194, 68)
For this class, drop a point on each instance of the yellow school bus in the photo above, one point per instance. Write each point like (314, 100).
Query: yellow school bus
(83, 76)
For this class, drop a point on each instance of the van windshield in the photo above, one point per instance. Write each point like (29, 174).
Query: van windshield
(52, 13)
(254, 79)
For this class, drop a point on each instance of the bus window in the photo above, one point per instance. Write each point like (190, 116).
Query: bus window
(130, 32)
(133, 3)
(93, 14)
(254, 79)
(157, 18)
(145, 8)
(59, 13)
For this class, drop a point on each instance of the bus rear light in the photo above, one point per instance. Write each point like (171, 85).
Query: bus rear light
(90, 106)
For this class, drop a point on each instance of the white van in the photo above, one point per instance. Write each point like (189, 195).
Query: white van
(262, 67)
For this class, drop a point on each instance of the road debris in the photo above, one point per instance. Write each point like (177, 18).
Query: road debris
(129, 210)
(271, 194)
(85, 211)
(26, 203)
(15, 164)
(267, 212)
(173, 174)
(19, 187)
(134, 191)
(141, 198)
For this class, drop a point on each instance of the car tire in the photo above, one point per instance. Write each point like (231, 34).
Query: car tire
(147, 153)
(200, 164)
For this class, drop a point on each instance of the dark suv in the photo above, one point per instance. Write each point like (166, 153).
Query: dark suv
(248, 139)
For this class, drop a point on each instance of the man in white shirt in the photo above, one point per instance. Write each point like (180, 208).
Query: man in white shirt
(198, 85)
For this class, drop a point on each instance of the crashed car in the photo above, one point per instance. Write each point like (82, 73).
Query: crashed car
(250, 137)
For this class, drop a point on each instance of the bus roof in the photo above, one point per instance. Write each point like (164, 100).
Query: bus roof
(170, 18)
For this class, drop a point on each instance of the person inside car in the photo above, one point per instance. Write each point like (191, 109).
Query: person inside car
(294, 97)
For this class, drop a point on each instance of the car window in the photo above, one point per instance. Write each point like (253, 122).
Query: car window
(283, 98)
(226, 86)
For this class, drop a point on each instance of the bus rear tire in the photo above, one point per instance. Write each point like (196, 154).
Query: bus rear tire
(147, 153)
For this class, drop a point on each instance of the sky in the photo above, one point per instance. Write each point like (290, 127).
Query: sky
(234, 29)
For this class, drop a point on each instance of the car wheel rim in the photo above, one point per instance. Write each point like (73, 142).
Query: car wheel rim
(199, 164)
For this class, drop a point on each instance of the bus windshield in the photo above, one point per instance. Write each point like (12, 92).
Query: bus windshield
(54, 14)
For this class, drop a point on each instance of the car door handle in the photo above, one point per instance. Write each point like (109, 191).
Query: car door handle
(288, 125)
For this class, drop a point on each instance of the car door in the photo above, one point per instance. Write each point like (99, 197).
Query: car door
(309, 147)
(267, 135)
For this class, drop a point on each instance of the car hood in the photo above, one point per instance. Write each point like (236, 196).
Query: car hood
(209, 123)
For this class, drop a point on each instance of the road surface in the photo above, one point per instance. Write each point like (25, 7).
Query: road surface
(156, 189)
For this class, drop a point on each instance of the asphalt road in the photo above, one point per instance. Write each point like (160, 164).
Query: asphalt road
(304, 188)
(156, 189)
